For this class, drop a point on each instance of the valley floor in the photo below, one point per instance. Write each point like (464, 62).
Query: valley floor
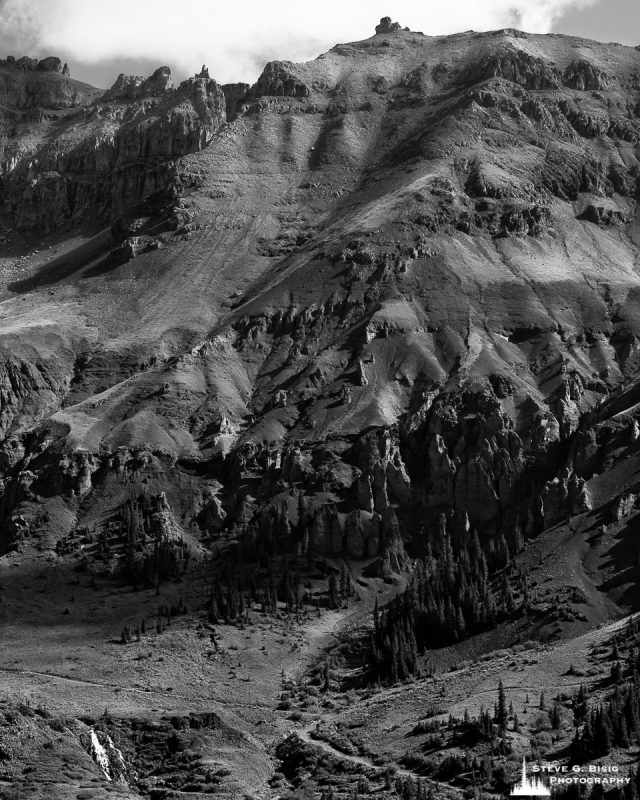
(221, 709)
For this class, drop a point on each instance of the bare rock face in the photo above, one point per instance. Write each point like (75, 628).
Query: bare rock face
(584, 76)
(131, 87)
(51, 64)
(443, 471)
(133, 246)
(355, 541)
(474, 457)
(384, 478)
(623, 506)
(516, 66)
(75, 471)
(386, 26)
(600, 215)
(277, 80)
(234, 94)
(320, 539)
(394, 557)
(31, 91)
(568, 404)
(356, 314)
(212, 514)
(564, 497)
(128, 165)
(29, 389)
(26, 64)
(364, 493)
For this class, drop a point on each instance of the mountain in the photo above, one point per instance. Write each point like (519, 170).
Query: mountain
(367, 330)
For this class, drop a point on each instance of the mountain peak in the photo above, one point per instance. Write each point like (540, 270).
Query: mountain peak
(131, 87)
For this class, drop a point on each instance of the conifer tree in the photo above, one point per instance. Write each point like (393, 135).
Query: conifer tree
(501, 715)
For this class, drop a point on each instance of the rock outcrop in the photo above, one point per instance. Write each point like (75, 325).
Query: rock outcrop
(277, 80)
(133, 87)
(564, 497)
(114, 170)
(516, 66)
(26, 64)
(584, 76)
(386, 26)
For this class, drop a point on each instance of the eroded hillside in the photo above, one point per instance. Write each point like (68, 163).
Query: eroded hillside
(379, 307)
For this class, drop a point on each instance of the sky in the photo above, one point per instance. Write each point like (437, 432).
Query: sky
(99, 39)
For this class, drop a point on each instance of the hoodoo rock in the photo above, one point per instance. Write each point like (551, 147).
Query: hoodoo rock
(386, 26)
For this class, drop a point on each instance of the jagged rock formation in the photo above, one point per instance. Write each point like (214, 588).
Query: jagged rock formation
(26, 64)
(277, 80)
(362, 302)
(132, 87)
(386, 26)
(116, 153)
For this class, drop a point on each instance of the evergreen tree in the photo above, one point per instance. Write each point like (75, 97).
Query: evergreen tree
(449, 597)
(554, 717)
(334, 597)
(501, 715)
(580, 706)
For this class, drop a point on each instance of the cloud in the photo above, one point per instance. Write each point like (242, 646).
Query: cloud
(235, 39)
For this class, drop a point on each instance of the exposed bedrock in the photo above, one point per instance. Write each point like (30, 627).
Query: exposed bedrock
(394, 285)
(117, 151)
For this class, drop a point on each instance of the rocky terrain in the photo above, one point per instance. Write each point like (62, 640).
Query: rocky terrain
(311, 392)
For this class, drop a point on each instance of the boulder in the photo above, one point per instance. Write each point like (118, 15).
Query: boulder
(623, 506)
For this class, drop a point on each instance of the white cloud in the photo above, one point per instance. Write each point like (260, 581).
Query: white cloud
(235, 38)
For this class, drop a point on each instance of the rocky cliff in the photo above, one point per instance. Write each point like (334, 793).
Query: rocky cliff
(393, 283)
(109, 153)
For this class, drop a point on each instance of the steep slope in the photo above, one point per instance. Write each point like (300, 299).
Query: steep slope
(370, 306)
(428, 236)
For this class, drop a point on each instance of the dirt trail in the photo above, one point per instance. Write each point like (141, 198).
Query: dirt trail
(306, 736)
(131, 689)
(321, 633)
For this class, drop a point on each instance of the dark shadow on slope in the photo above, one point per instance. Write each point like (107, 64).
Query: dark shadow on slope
(106, 265)
(622, 558)
(61, 268)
